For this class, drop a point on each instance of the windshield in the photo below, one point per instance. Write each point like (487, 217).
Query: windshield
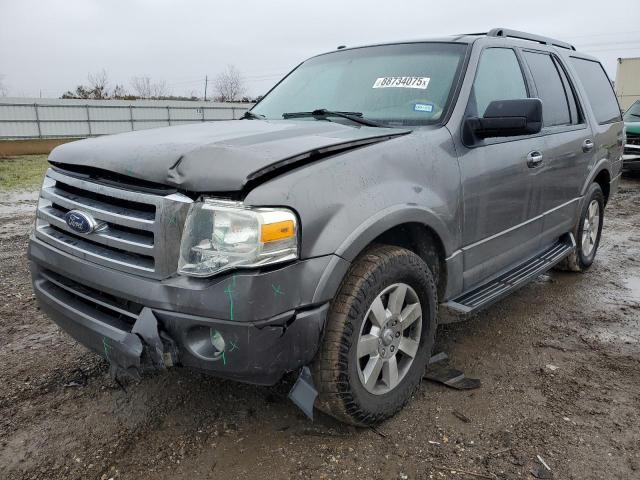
(405, 84)
(633, 114)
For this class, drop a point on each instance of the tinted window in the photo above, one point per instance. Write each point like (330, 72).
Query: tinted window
(574, 109)
(599, 90)
(499, 77)
(555, 106)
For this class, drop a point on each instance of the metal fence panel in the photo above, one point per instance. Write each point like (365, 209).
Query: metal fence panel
(20, 130)
(64, 129)
(18, 112)
(187, 114)
(150, 124)
(59, 118)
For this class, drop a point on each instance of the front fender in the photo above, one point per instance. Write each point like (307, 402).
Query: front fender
(345, 201)
(388, 218)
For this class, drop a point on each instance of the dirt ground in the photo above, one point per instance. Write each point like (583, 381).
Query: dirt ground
(559, 363)
(31, 146)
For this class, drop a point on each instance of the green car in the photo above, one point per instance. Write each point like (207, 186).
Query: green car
(631, 155)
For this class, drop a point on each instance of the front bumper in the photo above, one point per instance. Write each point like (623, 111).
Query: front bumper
(249, 326)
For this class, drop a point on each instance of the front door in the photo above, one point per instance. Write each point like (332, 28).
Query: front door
(498, 178)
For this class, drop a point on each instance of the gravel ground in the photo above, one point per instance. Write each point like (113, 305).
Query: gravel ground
(559, 362)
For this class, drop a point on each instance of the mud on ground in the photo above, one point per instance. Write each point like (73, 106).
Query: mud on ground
(559, 362)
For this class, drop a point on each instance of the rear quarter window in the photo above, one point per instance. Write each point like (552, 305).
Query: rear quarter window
(599, 90)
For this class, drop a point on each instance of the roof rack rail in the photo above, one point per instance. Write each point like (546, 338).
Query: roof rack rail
(505, 32)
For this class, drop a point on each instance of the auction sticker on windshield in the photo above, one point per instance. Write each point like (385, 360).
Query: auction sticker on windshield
(402, 82)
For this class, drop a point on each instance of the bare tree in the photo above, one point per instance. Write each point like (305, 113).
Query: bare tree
(99, 84)
(144, 87)
(97, 89)
(3, 88)
(119, 93)
(141, 86)
(229, 85)
(160, 89)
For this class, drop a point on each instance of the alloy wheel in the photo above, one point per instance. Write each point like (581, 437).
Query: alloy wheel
(389, 338)
(590, 228)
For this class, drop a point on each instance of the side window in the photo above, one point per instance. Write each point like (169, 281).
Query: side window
(551, 89)
(499, 77)
(599, 90)
(574, 105)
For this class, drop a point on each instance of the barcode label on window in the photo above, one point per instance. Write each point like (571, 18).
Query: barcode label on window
(402, 82)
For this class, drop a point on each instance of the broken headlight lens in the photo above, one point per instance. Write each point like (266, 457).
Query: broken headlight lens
(221, 235)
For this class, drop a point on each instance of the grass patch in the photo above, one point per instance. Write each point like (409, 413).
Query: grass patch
(25, 171)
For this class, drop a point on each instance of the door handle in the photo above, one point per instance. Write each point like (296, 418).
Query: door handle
(587, 145)
(534, 159)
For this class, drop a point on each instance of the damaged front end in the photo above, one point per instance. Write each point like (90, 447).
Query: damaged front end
(134, 338)
(131, 344)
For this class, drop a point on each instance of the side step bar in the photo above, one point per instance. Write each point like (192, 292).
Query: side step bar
(481, 297)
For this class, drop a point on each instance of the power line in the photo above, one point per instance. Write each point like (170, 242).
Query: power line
(611, 49)
(603, 44)
(601, 34)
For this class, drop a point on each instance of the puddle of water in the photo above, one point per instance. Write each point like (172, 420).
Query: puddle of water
(21, 201)
(633, 284)
(628, 334)
(623, 338)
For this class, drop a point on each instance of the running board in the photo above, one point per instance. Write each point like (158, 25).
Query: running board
(481, 297)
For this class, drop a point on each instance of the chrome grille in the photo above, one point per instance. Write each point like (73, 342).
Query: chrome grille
(633, 138)
(142, 232)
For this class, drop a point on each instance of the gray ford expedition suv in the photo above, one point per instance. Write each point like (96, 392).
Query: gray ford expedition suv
(372, 191)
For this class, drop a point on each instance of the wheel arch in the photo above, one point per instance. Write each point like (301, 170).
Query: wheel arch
(603, 178)
(601, 174)
(412, 227)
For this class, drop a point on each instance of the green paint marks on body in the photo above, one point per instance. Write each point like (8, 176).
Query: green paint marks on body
(277, 290)
(229, 292)
(106, 347)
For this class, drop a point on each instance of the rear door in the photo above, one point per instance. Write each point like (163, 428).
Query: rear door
(568, 145)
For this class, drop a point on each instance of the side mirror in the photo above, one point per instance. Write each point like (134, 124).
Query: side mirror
(508, 118)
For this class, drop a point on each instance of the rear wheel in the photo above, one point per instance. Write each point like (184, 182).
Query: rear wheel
(587, 232)
(379, 336)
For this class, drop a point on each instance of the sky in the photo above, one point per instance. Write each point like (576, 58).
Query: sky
(50, 46)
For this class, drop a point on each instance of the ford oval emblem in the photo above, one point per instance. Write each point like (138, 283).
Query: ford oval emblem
(80, 222)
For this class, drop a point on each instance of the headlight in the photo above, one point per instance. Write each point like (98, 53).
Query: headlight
(221, 235)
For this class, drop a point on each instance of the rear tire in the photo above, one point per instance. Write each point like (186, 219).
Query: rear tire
(379, 336)
(587, 232)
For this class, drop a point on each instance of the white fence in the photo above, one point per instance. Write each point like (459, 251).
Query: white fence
(27, 118)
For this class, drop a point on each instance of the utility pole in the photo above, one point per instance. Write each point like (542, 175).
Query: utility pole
(206, 80)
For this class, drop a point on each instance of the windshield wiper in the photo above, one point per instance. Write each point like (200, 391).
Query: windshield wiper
(323, 113)
(249, 115)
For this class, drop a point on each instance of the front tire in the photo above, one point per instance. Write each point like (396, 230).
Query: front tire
(379, 336)
(587, 232)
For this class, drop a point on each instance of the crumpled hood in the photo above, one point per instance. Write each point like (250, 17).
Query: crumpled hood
(215, 156)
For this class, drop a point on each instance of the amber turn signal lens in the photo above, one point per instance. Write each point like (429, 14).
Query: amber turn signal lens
(277, 231)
